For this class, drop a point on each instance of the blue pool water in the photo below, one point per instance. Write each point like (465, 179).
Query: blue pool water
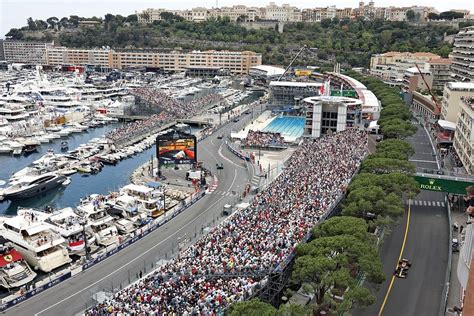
(291, 126)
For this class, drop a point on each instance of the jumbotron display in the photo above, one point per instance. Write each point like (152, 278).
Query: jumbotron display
(176, 148)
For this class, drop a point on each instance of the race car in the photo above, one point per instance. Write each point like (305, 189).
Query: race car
(402, 268)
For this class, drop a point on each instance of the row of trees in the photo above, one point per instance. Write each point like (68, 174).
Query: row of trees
(343, 248)
(350, 42)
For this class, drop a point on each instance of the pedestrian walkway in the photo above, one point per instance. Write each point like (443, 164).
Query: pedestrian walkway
(427, 203)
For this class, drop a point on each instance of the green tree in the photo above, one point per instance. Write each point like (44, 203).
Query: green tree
(396, 145)
(433, 16)
(387, 165)
(52, 22)
(254, 307)
(410, 14)
(14, 34)
(31, 24)
(397, 128)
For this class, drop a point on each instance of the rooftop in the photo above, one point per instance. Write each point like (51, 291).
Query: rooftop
(469, 86)
(295, 84)
(441, 61)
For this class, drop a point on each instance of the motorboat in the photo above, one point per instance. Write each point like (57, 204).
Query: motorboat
(34, 240)
(64, 145)
(101, 223)
(5, 149)
(14, 270)
(150, 201)
(31, 185)
(72, 227)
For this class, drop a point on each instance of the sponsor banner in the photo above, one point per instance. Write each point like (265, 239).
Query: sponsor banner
(33, 292)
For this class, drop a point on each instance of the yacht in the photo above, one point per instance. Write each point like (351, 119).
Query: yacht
(101, 223)
(150, 201)
(14, 270)
(42, 248)
(69, 225)
(31, 185)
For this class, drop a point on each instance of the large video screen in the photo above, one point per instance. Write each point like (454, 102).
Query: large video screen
(176, 151)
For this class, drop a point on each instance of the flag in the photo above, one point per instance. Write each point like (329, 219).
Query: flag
(10, 257)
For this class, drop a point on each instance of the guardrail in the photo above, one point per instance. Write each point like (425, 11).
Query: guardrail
(144, 231)
(447, 278)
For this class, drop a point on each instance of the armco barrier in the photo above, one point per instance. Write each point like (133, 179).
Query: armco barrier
(102, 257)
(236, 152)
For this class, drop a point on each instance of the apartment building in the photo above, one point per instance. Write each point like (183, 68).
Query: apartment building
(284, 13)
(462, 68)
(391, 66)
(415, 79)
(234, 62)
(454, 93)
(57, 56)
(26, 52)
(440, 69)
(464, 135)
(237, 12)
(2, 53)
(319, 14)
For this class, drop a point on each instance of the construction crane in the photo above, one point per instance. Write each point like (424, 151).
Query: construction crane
(438, 107)
(292, 61)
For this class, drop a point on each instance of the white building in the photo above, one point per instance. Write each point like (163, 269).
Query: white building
(453, 94)
(464, 135)
(463, 53)
(328, 113)
(284, 13)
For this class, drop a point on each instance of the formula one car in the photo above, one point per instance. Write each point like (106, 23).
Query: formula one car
(402, 268)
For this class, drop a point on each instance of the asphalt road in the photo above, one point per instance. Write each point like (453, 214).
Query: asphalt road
(426, 246)
(76, 294)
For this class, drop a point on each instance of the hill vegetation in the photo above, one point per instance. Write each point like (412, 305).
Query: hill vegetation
(348, 42)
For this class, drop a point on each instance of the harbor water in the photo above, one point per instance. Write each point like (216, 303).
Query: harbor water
(109, 179)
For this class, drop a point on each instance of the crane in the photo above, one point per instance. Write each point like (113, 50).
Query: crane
(292, 61)
(438, 107)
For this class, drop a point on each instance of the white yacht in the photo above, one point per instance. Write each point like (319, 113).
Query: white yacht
(42, 248)
(101, 223)
(149, 200)
(31, 185)
(69, 225)
(14, 270)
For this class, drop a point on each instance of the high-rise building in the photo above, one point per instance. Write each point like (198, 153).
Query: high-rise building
(463, 55)
(440, 69)
(464, 135)
(454, 93)
(2, 53)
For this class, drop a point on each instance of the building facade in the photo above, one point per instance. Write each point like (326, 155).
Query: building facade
(2, 53)
(454, 93)
(235, 62)
(391, 66)
(464, 135)
(329, 113)
(26, 52)
(462, 67)
(288, 95)
(417, 80)
(440, 69)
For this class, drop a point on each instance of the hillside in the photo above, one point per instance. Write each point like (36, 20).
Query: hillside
(345, 41)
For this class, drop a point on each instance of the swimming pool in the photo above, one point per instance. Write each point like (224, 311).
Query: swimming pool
(290, 127)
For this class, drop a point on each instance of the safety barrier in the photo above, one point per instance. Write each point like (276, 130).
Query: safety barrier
(146, 230)
(447, 278)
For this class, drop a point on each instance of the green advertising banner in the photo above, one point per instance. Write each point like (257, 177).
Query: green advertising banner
(345, 93)
(443, 185)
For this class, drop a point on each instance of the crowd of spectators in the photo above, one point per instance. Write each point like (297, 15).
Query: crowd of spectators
(222, 267)
(264, 139)
(169, 108)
